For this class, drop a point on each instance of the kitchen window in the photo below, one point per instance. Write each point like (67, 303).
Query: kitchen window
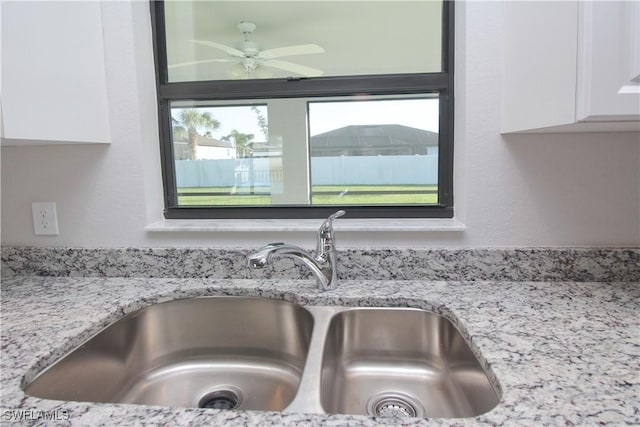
(292, 109)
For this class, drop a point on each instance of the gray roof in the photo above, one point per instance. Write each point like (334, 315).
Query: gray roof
(371, 140)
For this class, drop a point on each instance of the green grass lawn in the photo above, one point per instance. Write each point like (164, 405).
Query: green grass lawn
(321, 195)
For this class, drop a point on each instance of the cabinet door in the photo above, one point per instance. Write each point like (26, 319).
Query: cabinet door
(539, 80)
(53, 73)
(608, 70)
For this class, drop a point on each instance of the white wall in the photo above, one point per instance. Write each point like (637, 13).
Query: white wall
(521, 190)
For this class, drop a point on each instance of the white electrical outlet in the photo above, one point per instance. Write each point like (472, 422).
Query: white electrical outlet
(45, 218)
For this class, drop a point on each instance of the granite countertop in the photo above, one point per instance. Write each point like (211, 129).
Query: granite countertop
(564, 353)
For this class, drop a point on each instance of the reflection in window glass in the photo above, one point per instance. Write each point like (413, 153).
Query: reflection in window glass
(381, 152)
(223, 40)
(222, 155)
(307, 65)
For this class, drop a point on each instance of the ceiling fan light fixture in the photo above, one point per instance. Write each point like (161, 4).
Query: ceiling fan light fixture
(249, 68)
(249, 64)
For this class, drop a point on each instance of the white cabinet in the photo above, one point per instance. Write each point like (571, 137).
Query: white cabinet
(571, 66)
(54, 86)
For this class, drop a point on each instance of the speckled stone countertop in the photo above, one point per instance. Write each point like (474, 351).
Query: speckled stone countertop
(564, 353)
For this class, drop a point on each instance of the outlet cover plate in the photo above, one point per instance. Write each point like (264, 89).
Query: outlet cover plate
(45, 219)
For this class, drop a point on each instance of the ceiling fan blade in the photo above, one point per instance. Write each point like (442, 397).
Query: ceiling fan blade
(204, 61)
(295, 68)
(303, 49)
(230, 50)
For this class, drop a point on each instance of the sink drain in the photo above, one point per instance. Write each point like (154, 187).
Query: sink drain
(394, 405)
(227, 397)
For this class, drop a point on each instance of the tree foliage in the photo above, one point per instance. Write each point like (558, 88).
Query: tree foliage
(190, 121)
(241, 142)
(262, 122)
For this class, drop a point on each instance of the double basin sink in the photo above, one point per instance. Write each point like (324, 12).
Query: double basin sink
(245, 353)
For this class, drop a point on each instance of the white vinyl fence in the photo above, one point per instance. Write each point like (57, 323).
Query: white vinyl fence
(354, 170)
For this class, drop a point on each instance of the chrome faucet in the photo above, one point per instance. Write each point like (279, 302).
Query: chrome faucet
(323, 265)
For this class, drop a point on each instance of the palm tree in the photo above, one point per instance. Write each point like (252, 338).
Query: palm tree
(191, 119)
(262, 122)
(240, 142)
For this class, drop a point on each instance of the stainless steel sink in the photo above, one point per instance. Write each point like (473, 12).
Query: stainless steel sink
(399, 363)
(220, 352)
(263, 354)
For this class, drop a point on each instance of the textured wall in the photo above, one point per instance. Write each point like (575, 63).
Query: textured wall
(523, 190)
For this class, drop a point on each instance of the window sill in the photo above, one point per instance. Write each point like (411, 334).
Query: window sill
(266, 225)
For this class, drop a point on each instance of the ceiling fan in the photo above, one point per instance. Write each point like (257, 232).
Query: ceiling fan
(251, 58)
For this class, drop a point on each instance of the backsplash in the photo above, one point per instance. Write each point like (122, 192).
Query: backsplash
(512, 264)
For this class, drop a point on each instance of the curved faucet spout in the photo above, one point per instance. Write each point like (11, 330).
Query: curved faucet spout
(263, 256)
(323, 265)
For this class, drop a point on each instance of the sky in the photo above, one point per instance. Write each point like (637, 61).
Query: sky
(326, 116)
(417, 113)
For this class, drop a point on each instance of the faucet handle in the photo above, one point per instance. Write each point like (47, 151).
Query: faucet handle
(338, 214)
(325, 232)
